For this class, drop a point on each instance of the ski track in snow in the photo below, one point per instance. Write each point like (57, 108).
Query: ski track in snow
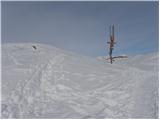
(57, 88)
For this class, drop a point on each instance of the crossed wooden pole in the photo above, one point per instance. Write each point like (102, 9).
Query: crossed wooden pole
(111, 42)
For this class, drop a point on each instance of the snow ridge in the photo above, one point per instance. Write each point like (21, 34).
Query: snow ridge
(53, 83)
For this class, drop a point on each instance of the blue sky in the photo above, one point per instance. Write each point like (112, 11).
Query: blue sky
(83, 27)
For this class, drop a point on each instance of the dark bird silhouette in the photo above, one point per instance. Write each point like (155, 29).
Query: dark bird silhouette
(34, 47)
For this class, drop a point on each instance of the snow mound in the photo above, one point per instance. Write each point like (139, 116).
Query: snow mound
(47, 82)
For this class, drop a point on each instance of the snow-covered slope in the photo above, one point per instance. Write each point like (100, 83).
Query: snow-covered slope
(52, 83)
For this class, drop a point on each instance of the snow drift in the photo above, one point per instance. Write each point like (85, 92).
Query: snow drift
(47, 82)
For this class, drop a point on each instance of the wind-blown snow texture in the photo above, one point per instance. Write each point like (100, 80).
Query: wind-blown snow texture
(52, 83)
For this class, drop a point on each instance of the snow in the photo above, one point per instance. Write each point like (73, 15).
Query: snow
(52, 83)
